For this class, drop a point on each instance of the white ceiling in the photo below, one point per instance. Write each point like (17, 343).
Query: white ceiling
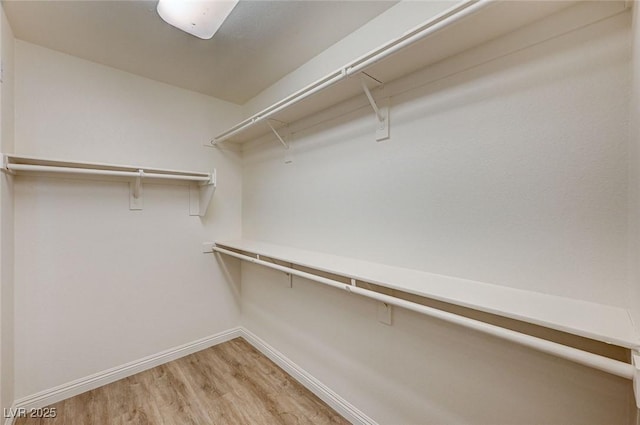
(258, 44)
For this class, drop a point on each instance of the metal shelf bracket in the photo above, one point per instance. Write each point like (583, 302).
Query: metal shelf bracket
(384, 312)
(635, 360)
(381, 113)
(135, 192)
(5, 165)
(200, 195)
(285, 144)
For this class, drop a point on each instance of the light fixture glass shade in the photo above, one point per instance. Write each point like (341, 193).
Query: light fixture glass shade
(199, 18)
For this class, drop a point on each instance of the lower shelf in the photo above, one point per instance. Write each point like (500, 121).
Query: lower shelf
(599, 322)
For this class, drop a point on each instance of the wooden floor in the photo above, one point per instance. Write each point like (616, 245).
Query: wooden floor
(231, 383)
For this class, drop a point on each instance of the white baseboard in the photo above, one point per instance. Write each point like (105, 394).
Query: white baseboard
(79, 386)
(339, 404)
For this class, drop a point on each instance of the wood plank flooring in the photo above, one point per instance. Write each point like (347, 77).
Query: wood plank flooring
(231, 383)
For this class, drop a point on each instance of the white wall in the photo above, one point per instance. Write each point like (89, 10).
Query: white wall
(514, 172)
(98, 285)
(634, 169)
(6, 219)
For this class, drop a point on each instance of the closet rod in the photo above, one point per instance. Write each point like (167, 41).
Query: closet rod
(98, 172)
(283, 104)
(605, 364)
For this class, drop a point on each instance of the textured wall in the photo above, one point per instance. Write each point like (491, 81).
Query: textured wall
(6, 220)
(513, 172)
(98, 285)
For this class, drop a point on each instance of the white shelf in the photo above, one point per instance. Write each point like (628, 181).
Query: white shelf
(587, 319)
(201, 189)
(467, 25)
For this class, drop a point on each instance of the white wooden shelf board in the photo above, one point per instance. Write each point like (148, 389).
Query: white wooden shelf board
(494, 20)
(600, 322)
(482, 27)
(31, 160)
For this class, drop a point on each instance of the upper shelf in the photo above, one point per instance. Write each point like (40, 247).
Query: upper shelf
(201, 191)
(11, 160)
(462, 27)
(587, 319)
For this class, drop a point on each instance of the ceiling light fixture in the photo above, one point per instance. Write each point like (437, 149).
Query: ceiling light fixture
(198, 18)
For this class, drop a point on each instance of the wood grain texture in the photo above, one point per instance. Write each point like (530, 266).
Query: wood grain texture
(231, 383)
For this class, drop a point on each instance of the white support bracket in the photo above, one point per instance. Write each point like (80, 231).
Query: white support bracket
(288, 158)
(290, 276)
(135, 192)
(5, 167)
(381, 113)
(285, 144)
(200, 195)
(384, 312)
(635, 360)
